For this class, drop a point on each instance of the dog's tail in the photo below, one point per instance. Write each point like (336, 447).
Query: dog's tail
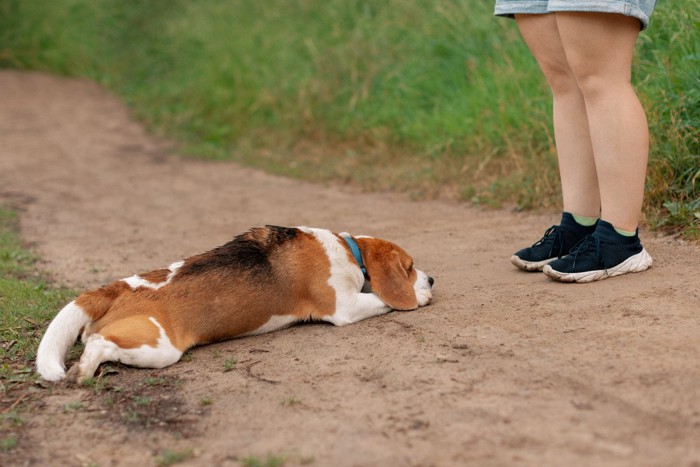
(65, 327)
(61, 334)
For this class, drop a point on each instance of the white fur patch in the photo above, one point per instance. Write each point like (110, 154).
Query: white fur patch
(160, 356)
(423, 289)
(275, 323)
(346, 276)
(137, 281)
(97, 350)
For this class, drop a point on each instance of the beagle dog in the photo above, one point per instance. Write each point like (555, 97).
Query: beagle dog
(263, 280)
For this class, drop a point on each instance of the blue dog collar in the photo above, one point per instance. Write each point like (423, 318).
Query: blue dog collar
(355, 252)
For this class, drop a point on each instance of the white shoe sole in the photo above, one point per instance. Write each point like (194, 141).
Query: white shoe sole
(529, 265)
(637, 263)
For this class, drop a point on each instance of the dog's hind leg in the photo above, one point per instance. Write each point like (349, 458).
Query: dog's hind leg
(97, 350)
(138, 340)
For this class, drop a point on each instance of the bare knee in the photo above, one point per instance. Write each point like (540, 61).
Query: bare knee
(541, 35)
(599, 50)
(597, 87)
(560, 78)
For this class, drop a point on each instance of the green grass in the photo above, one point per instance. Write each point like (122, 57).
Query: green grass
(291, 401)
(8, 443)
(229, 364)
(668, 74)
(269, 461)
(171, 457)
(426, 97)
(27, 303)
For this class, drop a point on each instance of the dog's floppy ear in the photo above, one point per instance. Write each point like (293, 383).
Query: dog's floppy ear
(388, 277)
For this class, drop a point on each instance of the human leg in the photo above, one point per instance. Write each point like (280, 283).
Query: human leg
(599, 49)
(574, 152)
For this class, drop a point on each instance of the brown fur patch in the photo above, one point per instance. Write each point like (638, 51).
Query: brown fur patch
(309, 269)
(391, 273)
(133, 309)
(132, 332)
(97, 302)
(157, 276)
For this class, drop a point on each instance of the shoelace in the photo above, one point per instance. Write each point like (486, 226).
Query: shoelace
(589, 242)
(554, 235)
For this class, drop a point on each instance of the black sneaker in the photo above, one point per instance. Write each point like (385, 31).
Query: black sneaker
(603, 254)
(557, 241)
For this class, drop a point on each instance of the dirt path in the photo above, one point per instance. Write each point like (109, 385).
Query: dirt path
(504, 368)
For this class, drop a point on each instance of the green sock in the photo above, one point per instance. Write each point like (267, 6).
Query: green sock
(585, 221)
(625, 233)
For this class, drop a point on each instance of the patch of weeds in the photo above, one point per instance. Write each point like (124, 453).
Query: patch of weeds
(142, 400)
(11, 419)
(97, 385)
(680, 216)
(229, 364)
(18, 374)
(186, 357)
(269, 461)
(131, 416)
(206, 400)
(151, 381)
(73, 406)
(291, 401)
(8, 443)
(170, 457)
(11, 423)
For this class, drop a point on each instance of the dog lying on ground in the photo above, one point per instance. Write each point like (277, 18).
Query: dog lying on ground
(263, 280)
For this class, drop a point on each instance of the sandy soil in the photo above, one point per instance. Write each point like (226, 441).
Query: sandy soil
(503, 368)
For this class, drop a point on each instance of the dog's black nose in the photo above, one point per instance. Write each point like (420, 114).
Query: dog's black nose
(431, 281)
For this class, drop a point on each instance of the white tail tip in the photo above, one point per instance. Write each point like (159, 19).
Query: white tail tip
(51, 372)
(60, 335)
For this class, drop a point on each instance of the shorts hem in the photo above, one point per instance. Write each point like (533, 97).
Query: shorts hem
(510, 8)
(601, 6)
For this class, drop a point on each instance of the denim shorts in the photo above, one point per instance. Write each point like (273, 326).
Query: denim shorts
(640, 9)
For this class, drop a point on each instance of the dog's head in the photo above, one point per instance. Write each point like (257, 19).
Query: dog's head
(392, 275)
